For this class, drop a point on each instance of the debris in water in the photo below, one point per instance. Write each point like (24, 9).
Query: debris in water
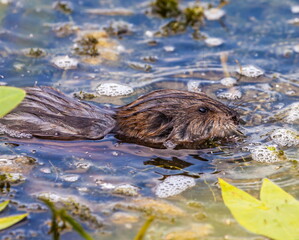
(34, 52)
(119, 28)
(63, 6)
(165, 8)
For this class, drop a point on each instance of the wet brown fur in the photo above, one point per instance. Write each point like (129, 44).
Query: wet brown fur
(161, 118)
(173, 117)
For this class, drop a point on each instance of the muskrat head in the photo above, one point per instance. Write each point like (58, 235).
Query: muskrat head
(176, 118)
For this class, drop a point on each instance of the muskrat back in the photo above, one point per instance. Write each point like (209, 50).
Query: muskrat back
(163, 118)
(48, 113)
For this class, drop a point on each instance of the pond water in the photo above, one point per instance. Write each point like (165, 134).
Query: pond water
(109, 186)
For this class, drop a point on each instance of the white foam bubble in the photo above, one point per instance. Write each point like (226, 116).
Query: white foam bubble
(296, 48)
(214, 42)
(294, 21)
(230, 94)
(228, 81)
(65, 62)
(114, 89)
(267, 154)
(127, 190)
(169, 48)
(295, 9)
(214, 14)
(174, 185)
(70, 177)
(285, 137)
(250, 71)
(12, 133)
(193, 86)
(292, 113)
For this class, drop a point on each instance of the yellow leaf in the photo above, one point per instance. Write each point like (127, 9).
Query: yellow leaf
(11, 220)
(276, 215)
(3, 205)
(10, 97)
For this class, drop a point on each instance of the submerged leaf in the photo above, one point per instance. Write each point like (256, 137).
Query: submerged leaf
(10, 97)
(11, 220)
(276, 215)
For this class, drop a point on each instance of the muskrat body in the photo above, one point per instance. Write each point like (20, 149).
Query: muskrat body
(163, 118)
(48, 113)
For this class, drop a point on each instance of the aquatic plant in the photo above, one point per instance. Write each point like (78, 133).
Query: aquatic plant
(141, 233)
(10, 97)
(275, 215)
(63, 6)
(62, 215)
(189, 17)
(35, 52)
(88, 46)
(166, 8)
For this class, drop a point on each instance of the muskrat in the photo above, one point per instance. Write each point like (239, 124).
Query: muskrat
(162, 118)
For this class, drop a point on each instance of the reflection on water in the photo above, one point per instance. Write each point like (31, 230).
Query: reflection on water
(89, 171)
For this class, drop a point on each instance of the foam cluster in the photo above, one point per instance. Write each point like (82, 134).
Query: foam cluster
(114, 89)
(267, 154)
(228, 81)
(174, 185)
(292, 113)
(214, 42)
(214, 14)
(285, 137)
(65, 62)
(126, 189)
(193, 86)
(250, 71)
(231, 94)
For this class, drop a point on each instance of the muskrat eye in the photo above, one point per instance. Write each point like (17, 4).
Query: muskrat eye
(203, 110)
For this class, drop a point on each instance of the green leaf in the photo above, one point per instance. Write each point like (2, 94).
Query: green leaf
(11, 220)
(3, 205)
(276, 215)
(10, 97)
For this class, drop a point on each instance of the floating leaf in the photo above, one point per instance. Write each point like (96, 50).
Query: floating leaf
(3, 205)
(11, 220)
(276, 215)
(10, 97)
